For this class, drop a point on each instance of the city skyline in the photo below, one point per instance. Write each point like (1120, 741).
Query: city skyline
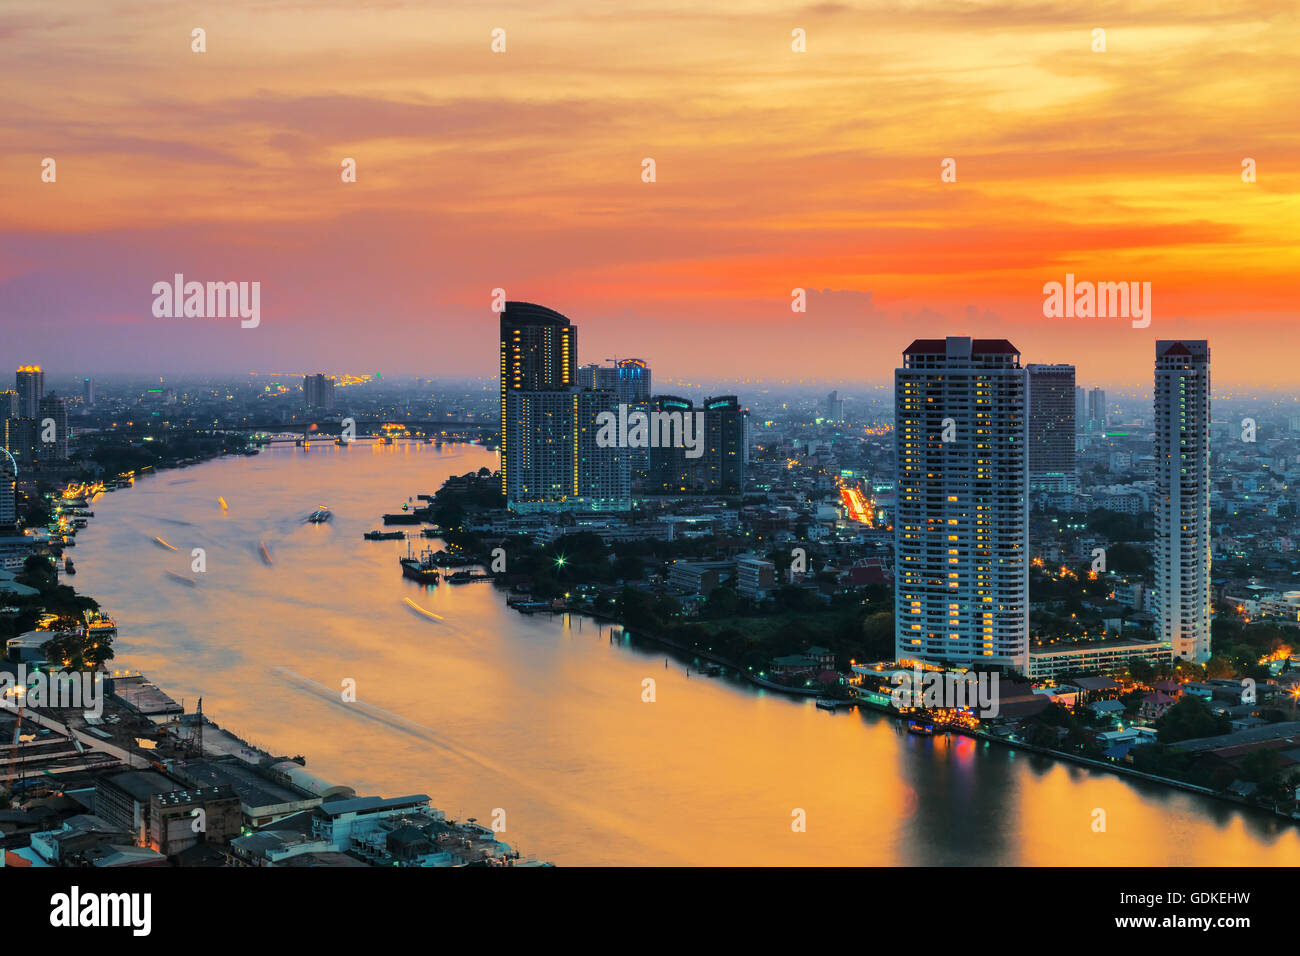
(923, 493)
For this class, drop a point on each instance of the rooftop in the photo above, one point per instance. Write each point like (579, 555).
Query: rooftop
(366, 804)
(1284, 731)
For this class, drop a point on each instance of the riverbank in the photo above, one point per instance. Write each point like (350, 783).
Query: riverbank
(150, 731)
(742, 672)
(893, 714)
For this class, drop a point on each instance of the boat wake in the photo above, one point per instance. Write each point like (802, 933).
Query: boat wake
(177, 521)
(427, 613)
(396, 721)
(607, 818)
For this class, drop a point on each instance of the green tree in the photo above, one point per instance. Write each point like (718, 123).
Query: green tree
(878, 636)
(1188, 719)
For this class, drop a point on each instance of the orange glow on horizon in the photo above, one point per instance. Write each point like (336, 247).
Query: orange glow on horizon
(775, 170)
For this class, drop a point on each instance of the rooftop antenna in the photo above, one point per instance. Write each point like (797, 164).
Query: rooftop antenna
(198, 734)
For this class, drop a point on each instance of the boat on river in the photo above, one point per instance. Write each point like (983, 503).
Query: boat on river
(421, 569)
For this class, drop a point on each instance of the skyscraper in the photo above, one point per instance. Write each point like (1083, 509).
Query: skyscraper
(834, 407)
(8, 491)
(1097, 410)
(720, 466)
(88, 392)
(550, 459)
(555, 462)
(1051, 426)
(724, 445)
(20, 439)
(1182, 500)
(961, 527)
(633, 380)
(318, 391)
(539, 353)
(30, 385)
(629, 379)
(52, 429)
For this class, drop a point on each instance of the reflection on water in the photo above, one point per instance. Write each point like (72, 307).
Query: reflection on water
(481, 707)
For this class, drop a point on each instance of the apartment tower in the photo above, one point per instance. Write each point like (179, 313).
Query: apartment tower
(961, 527)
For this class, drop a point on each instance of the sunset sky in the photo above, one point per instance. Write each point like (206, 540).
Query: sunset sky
(522, 170)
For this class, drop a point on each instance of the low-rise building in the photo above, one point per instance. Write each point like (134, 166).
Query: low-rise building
(698, 577)
(123, 799)
(179, 819)
(1155, 705)
(1103, 656)
(755, 577)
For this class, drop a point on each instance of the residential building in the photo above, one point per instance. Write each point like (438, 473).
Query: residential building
(30, 385)
(1051, 426)
(53, 429)
(1182, 500)
(961, 526)
(318, 391)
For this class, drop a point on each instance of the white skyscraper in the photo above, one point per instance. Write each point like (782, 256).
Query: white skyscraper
(961, 527)
(1182, 501)
(8, 501)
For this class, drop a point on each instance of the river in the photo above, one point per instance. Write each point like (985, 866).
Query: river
(483, 708)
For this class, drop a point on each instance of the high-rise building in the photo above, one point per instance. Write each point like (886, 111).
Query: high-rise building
(724, 445)
(20, 439)
(834, 407)
(52, 429)
(318, 391)
(30, 385)
(8, 490)
(1097, 419)
(720, 466)
(1051, 426)
(633, 380)
(539, 353)
(629, 379)
(1182, 500)
(8, 404)
(595, 376)
(555, 461)
(961, 524)
(669, 470)
(88, 392)
(550, 459)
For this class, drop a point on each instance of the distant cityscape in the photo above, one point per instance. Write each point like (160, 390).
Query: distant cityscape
(1125, 565)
